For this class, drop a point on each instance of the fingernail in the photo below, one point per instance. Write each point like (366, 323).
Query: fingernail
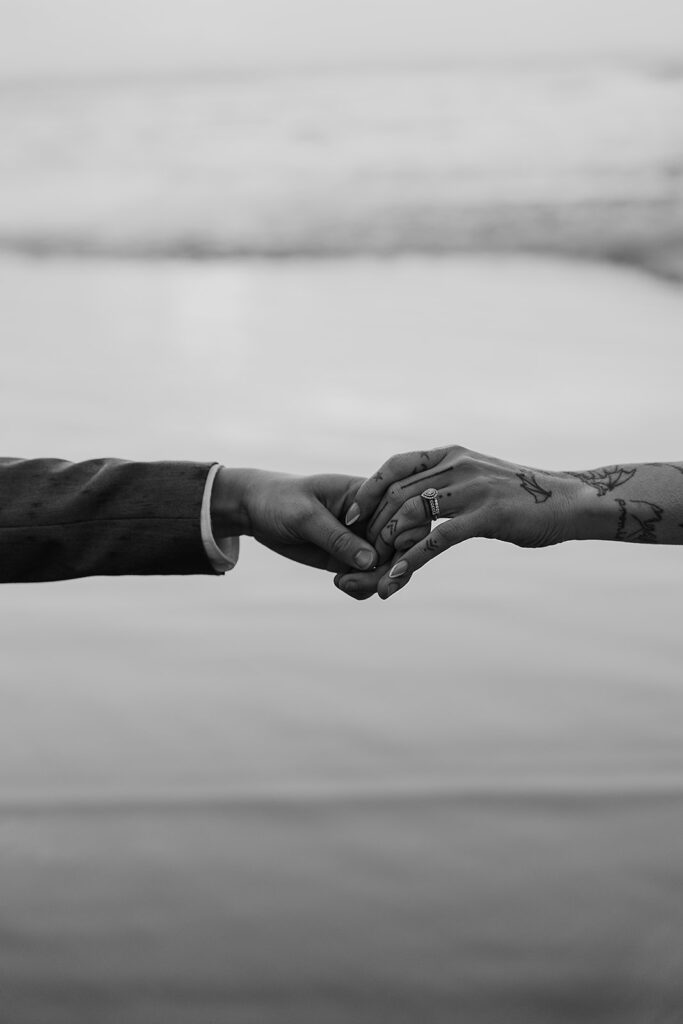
(400, 569)
(392, 588)
(364, 559)
(353, 515)
(350, 587)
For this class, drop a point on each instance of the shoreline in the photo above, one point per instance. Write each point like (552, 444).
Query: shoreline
(664, 263)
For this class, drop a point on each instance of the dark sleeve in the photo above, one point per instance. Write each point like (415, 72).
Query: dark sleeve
(104, 517)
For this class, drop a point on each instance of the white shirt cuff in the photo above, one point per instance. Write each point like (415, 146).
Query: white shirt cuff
(222, 552)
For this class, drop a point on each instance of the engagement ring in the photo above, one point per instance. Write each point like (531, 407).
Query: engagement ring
(431, 500)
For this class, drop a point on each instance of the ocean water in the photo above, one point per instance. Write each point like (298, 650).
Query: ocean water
(250, 799)
(581, 158)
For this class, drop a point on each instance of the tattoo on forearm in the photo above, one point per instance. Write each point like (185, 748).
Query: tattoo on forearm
(532, 487)
(637, 521)
(604, 480)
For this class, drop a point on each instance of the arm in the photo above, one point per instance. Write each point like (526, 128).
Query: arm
(60, 520)
(481, 496)
(107, 517)
(639, 503)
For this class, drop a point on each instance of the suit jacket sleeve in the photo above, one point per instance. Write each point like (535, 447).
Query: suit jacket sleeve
(104, 517)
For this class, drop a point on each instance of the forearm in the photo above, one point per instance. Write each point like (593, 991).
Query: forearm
(60, 520)
(632, 502)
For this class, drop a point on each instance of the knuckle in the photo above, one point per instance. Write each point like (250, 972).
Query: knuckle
(467, 463)
(396, 461)
(307, 513)
(431, 545)
(339, 542)
(390, 531)
(442, 537)
(408, 541)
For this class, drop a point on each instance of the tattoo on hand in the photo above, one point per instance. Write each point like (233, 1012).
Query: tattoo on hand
(532, 487)
(377, 514)
(637, 521)
(431, 545)
(604, 480)
(392, 527)
(432, 476)
(378, 477)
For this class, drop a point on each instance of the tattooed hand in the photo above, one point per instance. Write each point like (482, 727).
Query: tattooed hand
(480, 496)
(485, 497)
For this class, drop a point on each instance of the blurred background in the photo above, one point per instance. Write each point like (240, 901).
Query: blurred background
(303, 235)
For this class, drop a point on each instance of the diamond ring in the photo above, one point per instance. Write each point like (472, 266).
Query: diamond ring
(431, 500)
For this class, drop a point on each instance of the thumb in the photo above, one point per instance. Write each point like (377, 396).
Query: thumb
(322, 529)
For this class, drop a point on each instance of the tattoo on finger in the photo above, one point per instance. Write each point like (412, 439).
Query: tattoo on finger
(377, 514)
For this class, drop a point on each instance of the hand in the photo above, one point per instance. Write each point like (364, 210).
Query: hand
(479, 495)
(299, 517)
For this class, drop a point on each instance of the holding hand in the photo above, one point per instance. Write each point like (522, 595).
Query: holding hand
(300, 517)
(480, 496)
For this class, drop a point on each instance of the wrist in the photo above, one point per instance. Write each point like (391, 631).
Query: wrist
(229, 505)
(593, 517)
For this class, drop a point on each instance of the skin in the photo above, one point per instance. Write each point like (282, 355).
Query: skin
(299, 517)
(481, 496)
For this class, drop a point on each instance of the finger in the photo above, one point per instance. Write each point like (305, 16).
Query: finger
(412, 516)
(407, 495)
(398, 467)
(455, 531)
(321, 528)
(410, 538)
(361, 585)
